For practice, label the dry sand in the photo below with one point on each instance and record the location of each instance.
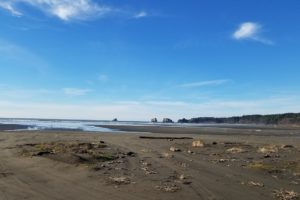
(92, 166)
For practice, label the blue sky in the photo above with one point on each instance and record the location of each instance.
(135, 60)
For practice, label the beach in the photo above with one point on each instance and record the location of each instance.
(166, 163)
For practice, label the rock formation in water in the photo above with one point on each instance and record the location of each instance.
(167, 120)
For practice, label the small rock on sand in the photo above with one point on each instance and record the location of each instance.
(120, 180)
(182, 177)
(198, 143)
(175, 149)
(167, 155)
(190, 152)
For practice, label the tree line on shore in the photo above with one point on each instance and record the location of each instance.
(287, 118)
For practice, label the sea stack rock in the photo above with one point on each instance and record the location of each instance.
(183, 120)
(167, 120)
(115, 120)
(154, 120)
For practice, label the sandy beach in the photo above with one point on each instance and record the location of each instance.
(217, 163)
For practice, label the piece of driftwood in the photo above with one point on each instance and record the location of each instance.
(167, 138)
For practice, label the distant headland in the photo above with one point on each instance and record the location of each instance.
(273, 119)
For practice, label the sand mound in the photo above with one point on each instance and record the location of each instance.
(268, 149)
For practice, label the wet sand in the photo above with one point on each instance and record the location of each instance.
(210, 130)
(7, 127)
(91, 166)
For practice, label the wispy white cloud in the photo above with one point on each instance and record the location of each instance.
(68, 10)
(9, 6)
(251, 31)
(76, 91)
(63, 9)
(141, 14)
(204, 83)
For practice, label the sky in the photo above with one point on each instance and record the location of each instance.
(135, 60)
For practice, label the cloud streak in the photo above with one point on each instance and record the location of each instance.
(250, 31)
(75, 91)
(141, 14)
(9, 7)
(204, 83)
(67, 10)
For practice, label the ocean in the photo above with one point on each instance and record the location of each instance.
(80, 125)
(93, 125)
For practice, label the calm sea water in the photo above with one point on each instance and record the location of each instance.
(86, 125)
(83, 125)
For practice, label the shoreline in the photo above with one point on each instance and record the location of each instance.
(12, 127)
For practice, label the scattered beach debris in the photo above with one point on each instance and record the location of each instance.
(222, 160)
(183, 179)
(146, 164)
(184, 165)
(198, 143)
(190, 151)
(145, 167)
(175, 149)
(235, 150)
(167, 155)
(294, 183)
(268, 149)
(146, 150)
(72, 152)
(122, 180)
(168, 187)
(148, 171)
(297, 174)
(165, 138)
(283, 194)
(253, 184)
